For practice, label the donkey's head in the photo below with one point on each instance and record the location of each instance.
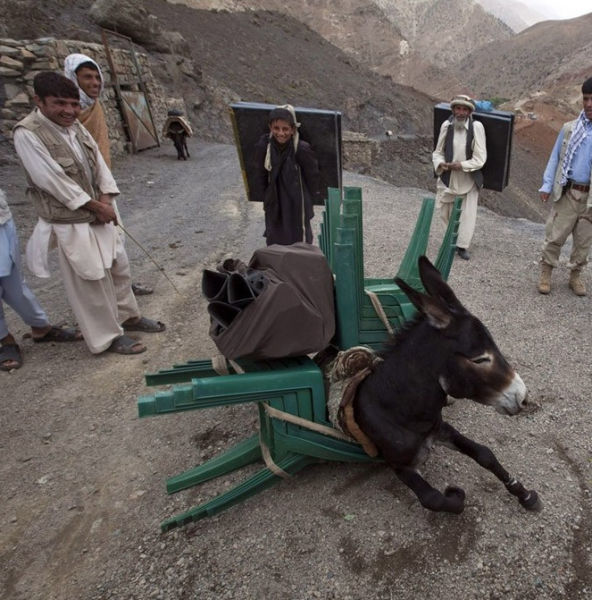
(470, 364)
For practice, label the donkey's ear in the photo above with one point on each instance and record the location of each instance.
(436, 311)
(436, 286)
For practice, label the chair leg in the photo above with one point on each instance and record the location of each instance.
(251, 486)
(244, 453)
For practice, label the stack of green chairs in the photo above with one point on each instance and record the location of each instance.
(359, 322)
(292, 385)
(290, 393)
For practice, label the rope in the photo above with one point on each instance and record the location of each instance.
(269, 461)
(161, 269)
(379, 311)
(220, 365)
(295, 420)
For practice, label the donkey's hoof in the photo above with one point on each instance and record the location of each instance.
(532, 501)
(456, 498)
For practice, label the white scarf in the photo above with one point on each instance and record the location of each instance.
(577, 137)
(71, 63)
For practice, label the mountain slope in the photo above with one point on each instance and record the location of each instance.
(413, 41)
(549, 58)
(516, 15)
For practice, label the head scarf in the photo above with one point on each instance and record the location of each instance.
(71, 63)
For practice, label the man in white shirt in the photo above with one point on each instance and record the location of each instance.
(72, 190)
(458, 159)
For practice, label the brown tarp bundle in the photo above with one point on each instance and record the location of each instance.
(295, 314)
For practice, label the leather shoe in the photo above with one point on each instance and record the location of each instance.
(463, 253)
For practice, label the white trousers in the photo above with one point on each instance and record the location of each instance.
(468, 217)
(100, 306)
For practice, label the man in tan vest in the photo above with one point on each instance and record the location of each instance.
(72, 190)
(87, 75)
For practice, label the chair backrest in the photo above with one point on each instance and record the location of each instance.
(408, 270)
(329, 223)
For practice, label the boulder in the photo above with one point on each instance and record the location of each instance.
(7, 72)
(21, 99)
(9, 51)
(11, 63)
(133, 20)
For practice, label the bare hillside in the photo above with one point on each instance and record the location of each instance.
(268, 57)
(413, 41)
(549, 57)
(516, 15)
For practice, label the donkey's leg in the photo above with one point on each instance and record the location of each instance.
(178, 146)
(452, 500)
(486, 458)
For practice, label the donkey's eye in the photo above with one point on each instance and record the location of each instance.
(481, 359)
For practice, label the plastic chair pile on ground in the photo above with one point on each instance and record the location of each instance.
(290, 393)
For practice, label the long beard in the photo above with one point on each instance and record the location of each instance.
(459, 123)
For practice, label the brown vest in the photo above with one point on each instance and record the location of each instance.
(46, 205)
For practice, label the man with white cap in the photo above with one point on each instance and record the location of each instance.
(458, 159)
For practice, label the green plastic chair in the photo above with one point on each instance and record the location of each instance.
(293, 386)
(358, 321)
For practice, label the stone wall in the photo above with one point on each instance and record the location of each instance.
(21, 60)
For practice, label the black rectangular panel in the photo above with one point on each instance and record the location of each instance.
(499, 127)
(320, 128)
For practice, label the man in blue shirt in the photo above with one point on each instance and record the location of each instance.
(567, 182)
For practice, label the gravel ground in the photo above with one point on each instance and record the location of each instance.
(82, 478)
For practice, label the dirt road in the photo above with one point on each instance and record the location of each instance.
(82, 478)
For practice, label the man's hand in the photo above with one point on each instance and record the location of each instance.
(454, 166)
(104, 212)
(443, 166)
(106, 198)
(544, 196)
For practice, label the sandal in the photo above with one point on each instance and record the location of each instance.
(126, 345)
(141, 290)
(60, 334)
(143, 324)
(10, 353)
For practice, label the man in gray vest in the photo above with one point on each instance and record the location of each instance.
(567, 182)
(72, 191)
(458, 159)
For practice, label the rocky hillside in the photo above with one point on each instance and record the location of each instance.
(516, 15)
(548, 60)
(413, 41)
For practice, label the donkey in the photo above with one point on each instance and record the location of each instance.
(445, 351)
(179, 136)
